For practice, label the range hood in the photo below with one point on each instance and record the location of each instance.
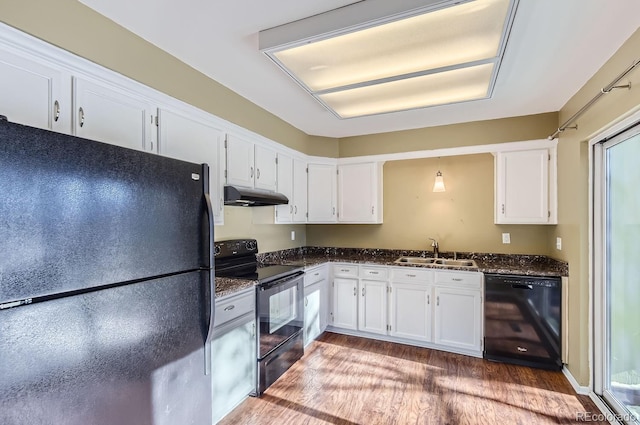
(243, 197)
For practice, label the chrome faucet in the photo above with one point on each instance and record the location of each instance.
(434, 245)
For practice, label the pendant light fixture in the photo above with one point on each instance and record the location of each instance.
(438, 186)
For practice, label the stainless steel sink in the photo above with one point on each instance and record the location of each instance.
(436, 261)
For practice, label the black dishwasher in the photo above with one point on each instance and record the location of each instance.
(522, 320)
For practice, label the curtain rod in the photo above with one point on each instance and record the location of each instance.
(612, 85)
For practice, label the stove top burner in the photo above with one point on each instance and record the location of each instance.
(237, 259)
(262, 274)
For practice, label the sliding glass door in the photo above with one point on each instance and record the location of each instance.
(617, 277)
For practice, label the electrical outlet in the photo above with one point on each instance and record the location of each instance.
(293, 235)
(559, 244)
(506, 238)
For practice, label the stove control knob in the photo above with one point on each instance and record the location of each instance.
(250, 245)
(216, 250)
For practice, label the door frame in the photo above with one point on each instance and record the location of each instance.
(598, 354)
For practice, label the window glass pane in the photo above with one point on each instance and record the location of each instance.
(623, 271)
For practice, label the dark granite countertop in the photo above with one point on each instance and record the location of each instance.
(516, 264)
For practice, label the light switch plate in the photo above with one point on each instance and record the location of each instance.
(293, 235)
(559, 244)
(506, 238)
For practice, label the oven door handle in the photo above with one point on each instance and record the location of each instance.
(280, 282)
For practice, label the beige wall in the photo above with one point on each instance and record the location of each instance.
(467, 134)
(461, 219)
(573, 189)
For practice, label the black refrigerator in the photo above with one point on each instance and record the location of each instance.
(106, 284)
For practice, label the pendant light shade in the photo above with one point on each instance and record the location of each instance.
(438, 186)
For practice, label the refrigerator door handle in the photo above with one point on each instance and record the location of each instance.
(212, 287)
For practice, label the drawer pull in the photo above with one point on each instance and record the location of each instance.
(373, 272)
(410, 275)
(345, 270)
(457, 279)
(229, 307)
(317, 274)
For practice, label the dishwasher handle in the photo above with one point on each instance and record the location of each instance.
(521, 286)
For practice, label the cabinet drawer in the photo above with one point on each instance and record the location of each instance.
(374, 273)
(233, 306)
(315, 275)
(346, 270)
(412, 275)
(465, 279)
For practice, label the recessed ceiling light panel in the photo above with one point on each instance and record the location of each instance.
(392, 63)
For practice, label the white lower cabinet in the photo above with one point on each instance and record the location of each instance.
(434, 308)
(233, 352)
(373, 307)
(457, 315)
(345, 303)
(410, 311)
(455, 320)
(315, 303)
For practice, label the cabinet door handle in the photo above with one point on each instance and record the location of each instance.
(437, 300)
(221, 204)
(81, 116)
(290, 209)
(428, 300)
(251, 172)
(306, 301)
(295, 209)
(258, 173)
(372, 210)
(355, 291)
(333, 211)
(502, 208)
(229, 307)
(363, 292)
(56, 111)
(253, 330)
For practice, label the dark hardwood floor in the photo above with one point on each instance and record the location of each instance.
(349, 380)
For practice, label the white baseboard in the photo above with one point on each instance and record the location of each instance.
(577, 387)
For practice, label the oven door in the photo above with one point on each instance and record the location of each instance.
(280, 312)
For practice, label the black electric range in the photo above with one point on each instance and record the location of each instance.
(279, 307)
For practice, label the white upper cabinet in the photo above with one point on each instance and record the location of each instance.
(284, 213)
(292, 182)
(322, 193)
(240, 167)
(250, 165)
(184, 137)
(108, 114)
(34, 93)
(299, 191)
(265, 164)
(360, 193)
(525, 185)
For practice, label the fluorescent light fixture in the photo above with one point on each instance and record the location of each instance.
(378, 56)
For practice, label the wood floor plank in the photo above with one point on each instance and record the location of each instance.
(356, 381)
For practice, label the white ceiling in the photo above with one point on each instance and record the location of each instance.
(554, 48)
